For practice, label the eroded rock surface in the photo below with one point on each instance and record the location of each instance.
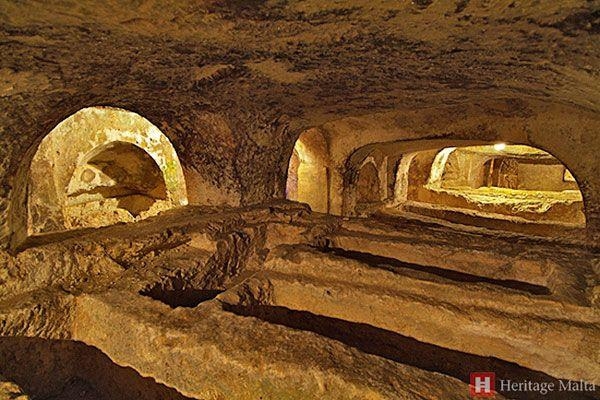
(265, 301)
(232, 84)
(218, 289)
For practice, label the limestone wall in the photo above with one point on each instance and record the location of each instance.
(233, 86)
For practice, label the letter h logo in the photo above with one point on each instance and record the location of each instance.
(482, 384)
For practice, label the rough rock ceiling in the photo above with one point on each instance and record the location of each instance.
(232, 83)
(303, 58)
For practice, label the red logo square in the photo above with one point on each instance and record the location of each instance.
(483, 384)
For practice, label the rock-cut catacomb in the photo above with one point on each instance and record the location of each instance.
(295, 200)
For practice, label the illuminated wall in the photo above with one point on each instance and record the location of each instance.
(511, 180)
(99, 166)
(308, 174)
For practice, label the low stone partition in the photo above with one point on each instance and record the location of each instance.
(479, 323)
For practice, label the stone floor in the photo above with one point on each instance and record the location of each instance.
(276, 302)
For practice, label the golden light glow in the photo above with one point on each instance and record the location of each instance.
(303, 152)
(437, 168)
(500, 178)
(307, 172)
(499, 146)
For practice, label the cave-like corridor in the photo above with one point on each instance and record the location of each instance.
(299, 199)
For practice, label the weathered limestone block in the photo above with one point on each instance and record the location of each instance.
(45, 313)
(66, 265)
(537, 332)
(477, 262)
(207, 353)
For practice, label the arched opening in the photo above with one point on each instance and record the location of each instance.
(490, 185)
(120, 182)
(291, 188)
(368, 185)
(493, 185)
(98, 167)
(365, 188)
(308, 172)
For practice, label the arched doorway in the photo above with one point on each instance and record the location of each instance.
(291, 187)
(368, 186)
(490, 185)
(100, 166)
(308, 173)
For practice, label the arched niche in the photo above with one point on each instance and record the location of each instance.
(308, 171)
(368, 184)
(291, 187)
(487, 180)
(365, 182)
(99, 166)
